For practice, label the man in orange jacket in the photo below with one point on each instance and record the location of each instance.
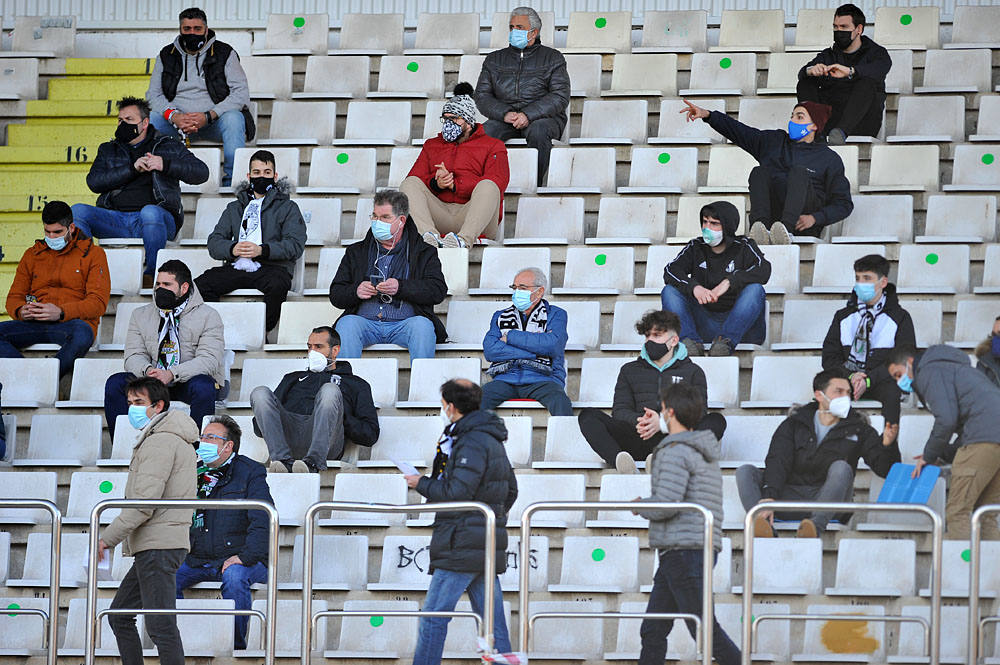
(455, 188)
(60, 291)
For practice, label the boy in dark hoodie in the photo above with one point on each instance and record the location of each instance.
(799, 184)
(715, 285)
(849, 76)
(260, 236)
(685, 468)
(864, 332)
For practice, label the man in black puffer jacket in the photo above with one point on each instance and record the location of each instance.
(524, 89)
(228, 546)
(260, 236)
(471, 465)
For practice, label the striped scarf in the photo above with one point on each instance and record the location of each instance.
(511, 319)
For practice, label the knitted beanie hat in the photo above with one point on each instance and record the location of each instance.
(462, 103)
(820, 113)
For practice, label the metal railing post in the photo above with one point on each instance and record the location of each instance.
(52, 621)
(747, 628)
(708, 563)
(268, 623)
(485, 624)
(975, 563)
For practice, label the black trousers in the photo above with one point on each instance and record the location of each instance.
(857, 104)
(608, 436)
(539, 135)
(783, 197)
(274, 281)
(150, 584)
(888, 393)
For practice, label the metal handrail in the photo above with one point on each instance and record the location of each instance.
(934, 641)
(708, 563)
(52, 619)
(489, 561)
(268, 622)
(975, 562)
(924, 623)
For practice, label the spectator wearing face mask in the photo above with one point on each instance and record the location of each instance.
(715, 285)
(456, 186)
(260, 236)
(813, 457)
(635, 427)
(798, 186)
(526, 347)
(307, 418)
(988, 354)
(850, 77)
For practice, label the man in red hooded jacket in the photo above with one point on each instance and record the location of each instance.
(456, 186)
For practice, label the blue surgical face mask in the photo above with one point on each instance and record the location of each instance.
(518, 38)
(208, 452)
(521, 300)
(450, 131)
(865, 291)
(57, 244)
(711, 238)
(797, 130)
(905, 383)
(137, 416)
(381, 230)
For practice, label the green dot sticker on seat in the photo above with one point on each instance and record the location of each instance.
(13, 606)
(601, 259)
(413, 66)
(932, 258)
(298, 21)
(663, 157)
(600, 23)
(906, 19)
(726, 63)
(598, 554)
(966, 555)
(106, 486)
(753, 617)
(376, 621)
(988, 158)
(342, 158)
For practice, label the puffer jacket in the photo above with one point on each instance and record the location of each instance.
(685, 468)
(283, 231)
(163, 466)
(963, 400)
(201, 336)
(113, 169)
(987, 363)
(640, 381)
(477, 470)
(521, 345)
(533, 81)
(75, 278)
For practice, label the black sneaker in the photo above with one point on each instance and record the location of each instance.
(837, 136)
(694, 348)
(721, 347)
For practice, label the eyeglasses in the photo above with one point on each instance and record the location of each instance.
(207, 438)
(524, 287)
(450, 117)
(388, 219)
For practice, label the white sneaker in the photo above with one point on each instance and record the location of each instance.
(624, 463)
(451, 240)
(277, 467)
(431, 238)
(780, 235)
(649, 463)
(758, 233)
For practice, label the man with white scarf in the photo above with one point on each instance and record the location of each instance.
(526, 346)
(176, 339)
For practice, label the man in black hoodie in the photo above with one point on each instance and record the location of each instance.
(864, 332)
(715, 285)
(260, 236)
(305, 420)
(849, 76)
(799, 184)
(388, 284)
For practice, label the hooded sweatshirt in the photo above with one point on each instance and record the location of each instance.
(741, 262)
(685, 468)
(986, 362)
(963, 400)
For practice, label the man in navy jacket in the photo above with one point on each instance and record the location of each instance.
(228, 546)
(526, 346)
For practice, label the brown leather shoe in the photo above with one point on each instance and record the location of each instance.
(807, 529)
(762, 528)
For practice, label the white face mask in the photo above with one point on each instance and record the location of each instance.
(317, 361)
(840, 406)
(445, 418)
(663, 425)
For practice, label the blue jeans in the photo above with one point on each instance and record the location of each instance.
(229, 128)
(74, 338)
(447, 586)
(236, 583)
(677, 589)
(153, 224)
(415, 333)
(744, 320)
(199, 392)
(550, 394)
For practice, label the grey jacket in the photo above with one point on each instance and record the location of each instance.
(685, 468)
(963, 400)
(283, 231)
(533, 81)
(192, 94)
(202, 341)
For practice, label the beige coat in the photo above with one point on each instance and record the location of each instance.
(163, 466)
(201, 338)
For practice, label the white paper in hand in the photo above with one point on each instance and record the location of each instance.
(405, 468)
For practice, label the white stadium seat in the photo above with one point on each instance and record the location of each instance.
(689, 215)
(367, 488)
(991, 272)
(621, 487)
(974, 27)
(960, 219)
(407, 76)
(833, 269)
(938, 119)
(269, 77)
(377, 123)
(340, 77)
(538, 562)
(577, 639)
(661, 171)
(974, 320)
(341, 171)
(894, 213)
(523, 165)
(619, 122)
(976, 169)
(293, 493)
(787, 566)
(532, 488)
(675, 129)
(988, 123)
(446, 34)
(302, 123)
(954, 635)
(86, 489)
(498, 262)
(643, 75)
(43, 37)
(19, 79)
(61, 440)
(580, 171)
(28, 485)
(76, 626)
(565, 447)
(868, 643)
(125, 270)
(428, 374)
(296, 34)
(288, 638)
(728, 170)
(751, 30)
(964, 71)
(545, 220)
(907, 27)
(674, 32)
(778, 382)
(782, 73)
(391, 637)
(903, 168)
(37, 561)
(630, 221)
(411, 439)
(875, 567)
(714, 74)
(599, 565)
(584, 72)
(747, 440)
(23, 634)
(599, 32)
(597, 270)
(370, 34)
(204, 635)
(938, 269)
(405, 564)
(812, 31)
(340, 563)
(298, 318)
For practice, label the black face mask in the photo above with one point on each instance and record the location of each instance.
(166, 299)
(843, 38)
(261, 184)
(191, 42)
(656, 350)
(126, 132)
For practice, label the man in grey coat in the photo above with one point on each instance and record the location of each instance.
(523, 89)
(260, 236)
(964, 403)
